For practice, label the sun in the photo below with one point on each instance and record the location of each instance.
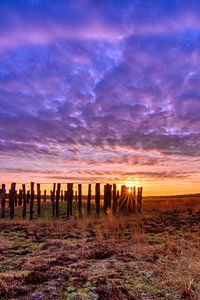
(129, 184)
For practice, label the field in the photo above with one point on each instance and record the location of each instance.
(152, 255)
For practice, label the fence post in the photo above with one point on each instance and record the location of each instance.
(65, 196)
(3, 200)
(12, 200)
(80, 199)
(20, 197)
(38, 199)
(53, 200)
(97, 197)
(69, 199)
(24, 201)
(114, 198)
(139, 199)
(89, 198)
(57, 199)
(45, 195)
(118, 199)
(109, 195)
(105, 202)
(28, 197)
(15, 198)
(123, 198)
(32, 200)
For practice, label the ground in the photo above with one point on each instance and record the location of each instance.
(153, 255)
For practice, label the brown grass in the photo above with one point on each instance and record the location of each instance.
(153, 255)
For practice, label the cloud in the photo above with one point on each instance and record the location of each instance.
(80, 80)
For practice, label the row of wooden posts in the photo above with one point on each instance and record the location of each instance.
(129, 200)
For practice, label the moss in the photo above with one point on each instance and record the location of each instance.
(16, 234)
(19, 244)
(83, 292)
(37, 246)
(155, 239)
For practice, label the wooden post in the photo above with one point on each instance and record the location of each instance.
(134, 199)
(12, 200)
(20, 197)
(109, 195)
(114, 206)
(123, 198)
(80, 199)
(97, 197)
(24, 201)
(15, 200)
(45, 195)
(28, 197)
(139, 199)
(117, 199)
(32, 200)
(57, 199)
(89, 198)
(3, 200)
(69, 199)
(53, 199)
(65, 196)
(38, 199)
(134, 192)
(105, 204)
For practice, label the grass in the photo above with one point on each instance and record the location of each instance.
(153, 255)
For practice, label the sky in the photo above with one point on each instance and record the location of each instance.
(101, 91)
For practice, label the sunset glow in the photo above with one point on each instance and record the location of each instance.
(101, 91)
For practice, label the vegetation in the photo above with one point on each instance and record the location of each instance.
(153, 255)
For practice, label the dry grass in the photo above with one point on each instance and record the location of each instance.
(154, 255)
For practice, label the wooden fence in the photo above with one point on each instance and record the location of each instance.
(126, 200)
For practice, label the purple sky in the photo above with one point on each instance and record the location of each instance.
(101, 90)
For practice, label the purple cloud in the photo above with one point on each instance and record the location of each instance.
(105, 85)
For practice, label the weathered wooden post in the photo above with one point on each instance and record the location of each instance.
(68, 205)
(20, 197)
(12, 200)
(32, 200)
(105, 202)
(53, 200)
(15, 200)
(109, 195)
(139, 199)
(97, 197)
(123, 198)
(45, 195)
(65, 196)
(118, 197)
(69, 199)
(57, 199)
(80, 199)
(114, 206)
(38, 199)
(89, 198)
(24, 201)
(134, 192)
(28, 197)
(134, 199)
(3, 200)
